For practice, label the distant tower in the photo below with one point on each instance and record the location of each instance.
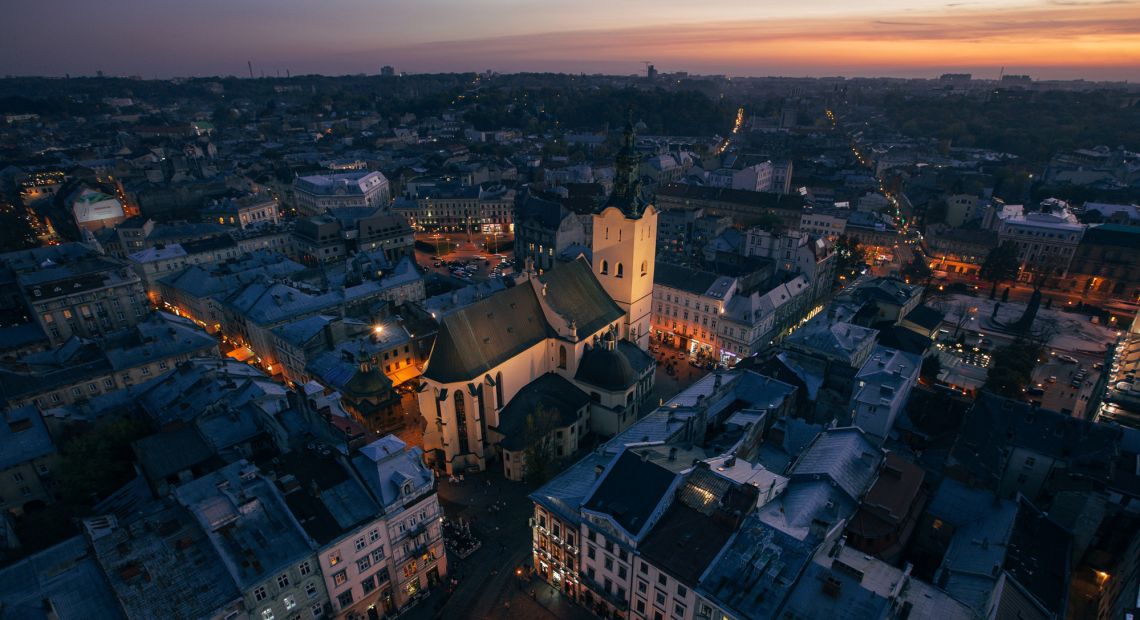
(387, 71)
(651, 72)
(625, 244)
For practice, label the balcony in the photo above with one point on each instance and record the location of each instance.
(600, 591)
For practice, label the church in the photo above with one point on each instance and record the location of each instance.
(559, 355)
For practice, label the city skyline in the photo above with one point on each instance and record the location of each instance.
(1056, 39)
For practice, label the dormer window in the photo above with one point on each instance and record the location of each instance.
(407, 488)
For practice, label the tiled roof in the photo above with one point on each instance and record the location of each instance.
(630, 491)
(553, 393)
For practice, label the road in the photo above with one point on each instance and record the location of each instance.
(1060, 394)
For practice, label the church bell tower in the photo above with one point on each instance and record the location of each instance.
(625, 244)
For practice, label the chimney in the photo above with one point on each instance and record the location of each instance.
(598, 469)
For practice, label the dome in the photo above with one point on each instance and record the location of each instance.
(606, 367)
(367, 384)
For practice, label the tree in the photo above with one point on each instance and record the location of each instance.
(931, 366)
(97, 461)
(848, 256)
(1011, 368)
(917, 269)
(1001, 264)
(539, 457)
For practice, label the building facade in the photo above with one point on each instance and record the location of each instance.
(314, 194)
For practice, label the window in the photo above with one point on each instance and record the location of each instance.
(289, 602)
(641, 586)
(644, 270)
(363, 564)
(621, 572)
(360, 543)
(259, 593)
(318, 611)
(660, 596)
(17, 477)
(311, 590)
(662, 579)
(590, 551)
(562, 355)
(377, 555)
(640, 606)
(369, 584)
(334, 558)
(622, 555)
(499, 390)
(283, 581)
(344, 598)
(644, 569)
(267, 614)
(590, 572)
(682, 591)
(304, 568)
(340, 578)
(605, 268)
(609, 563)
(108, 382)
(619, 271)
(373, 535)
(678, 610)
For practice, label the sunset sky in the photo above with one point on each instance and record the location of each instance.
(1092, 39)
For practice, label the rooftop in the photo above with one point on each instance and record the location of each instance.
(161, 564)
(247, 521)
(552, 393)
(64, 579)
(23, 437)
(756, 571)
(630, 491)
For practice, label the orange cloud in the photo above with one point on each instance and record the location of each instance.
(1068, 33)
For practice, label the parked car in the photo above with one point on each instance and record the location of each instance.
(1068, 359)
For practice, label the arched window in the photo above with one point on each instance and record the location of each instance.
(619, 270)
(499, 390)
(461, 420)
(562, 356)
(605, 268)
(644, 268)
(619, 234)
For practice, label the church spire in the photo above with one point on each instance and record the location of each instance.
(626, 194)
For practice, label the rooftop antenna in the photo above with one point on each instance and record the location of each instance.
(249, 63)
(1001, 74)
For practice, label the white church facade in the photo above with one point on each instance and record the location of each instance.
(571, 341)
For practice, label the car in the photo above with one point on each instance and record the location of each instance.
(1068, 359)
(1052, 379)
(1036, 391)
(1075, 383)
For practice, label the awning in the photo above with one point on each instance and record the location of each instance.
(240, 354)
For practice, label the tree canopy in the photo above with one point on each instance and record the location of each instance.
(1001, 263)
(1011, 368)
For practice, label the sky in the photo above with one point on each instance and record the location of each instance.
(1048, 39)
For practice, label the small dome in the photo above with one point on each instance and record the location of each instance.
(605, 367)
(367, 384)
